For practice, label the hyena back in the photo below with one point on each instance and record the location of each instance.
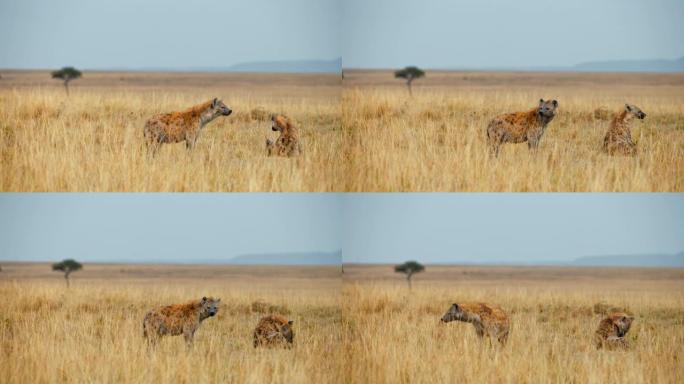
(175, 127)
(521, 127)
(179, 319)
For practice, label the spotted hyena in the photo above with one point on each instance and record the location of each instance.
(175, 127)
(273, 330)
(179, 319)
(612, 330)
(618, 139)
(520, 127)
(488, 320)
(287, 143)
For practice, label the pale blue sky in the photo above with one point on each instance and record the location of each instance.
(508, 33)
(165, 227)
(459, 227)
(510, 227)
(174, 34)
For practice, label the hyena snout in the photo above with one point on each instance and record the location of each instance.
(641, 115)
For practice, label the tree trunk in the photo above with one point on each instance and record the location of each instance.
(66, 86)
(408, 278)
(408, 83)
(66, 277)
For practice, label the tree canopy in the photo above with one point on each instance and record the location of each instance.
(67, 74)
(409, 268)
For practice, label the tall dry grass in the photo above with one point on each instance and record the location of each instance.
(92, 332)
(393, 335)
(93, 139)
(436, 140)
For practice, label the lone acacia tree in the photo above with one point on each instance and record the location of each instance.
(67, 266)
(409, 268)
(67, 74)
(410, 74)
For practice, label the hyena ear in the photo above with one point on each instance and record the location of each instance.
(455, 305)
(555, 103)
(204, 299)
(541, 101)
(290, 322)
(628, 108)
(215, 102)
(218, 300)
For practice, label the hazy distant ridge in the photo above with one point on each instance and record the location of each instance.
(294, 66)
(655, 65)
(290, 258)
(644, 260)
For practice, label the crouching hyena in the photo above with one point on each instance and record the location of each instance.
(618, 139)
(612, 330)
(489, 320)
(179, 319)
(287, 143)
(185, 126)
(519, 127)
(273, 330)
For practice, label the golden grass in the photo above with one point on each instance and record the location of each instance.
(92, 332)
(364, 328)
(93, 140)
(435, 140)
(373, 138)
(393, 335)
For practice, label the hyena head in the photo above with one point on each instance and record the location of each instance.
(547, 108)
(455, 312)
(279, 123)
(286, 331)
(621, 322)
(634, 110)
(218, 108)
(209, 307)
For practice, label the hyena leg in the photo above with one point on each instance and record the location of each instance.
(269, 146)
(189, 335)
(494, 140)
(190, 141)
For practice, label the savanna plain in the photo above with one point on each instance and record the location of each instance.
(435, 140)
(92, 331)
(92, 139)
(363, 133)
(364, 326)
(392, 334)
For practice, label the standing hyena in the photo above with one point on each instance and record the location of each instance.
(179, 319)
(175, 127)
(287, 143)
(273, 330)
(612, 330)
(618, 139)
(519, 127)
(489, 320)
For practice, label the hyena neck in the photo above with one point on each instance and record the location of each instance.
(545, 120)
(203, 315)
(471, 318)
(623, 119)
(206, 117)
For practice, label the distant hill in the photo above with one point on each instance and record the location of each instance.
(676, 65)
(295, 66)
(645, 260)
(290, 258)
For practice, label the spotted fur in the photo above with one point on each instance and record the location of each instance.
(618, 139)
(521, 127)
(185, 126)
(179, 319)
(612, 330)
(287, 143)
(273, 330)
(488, 320)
